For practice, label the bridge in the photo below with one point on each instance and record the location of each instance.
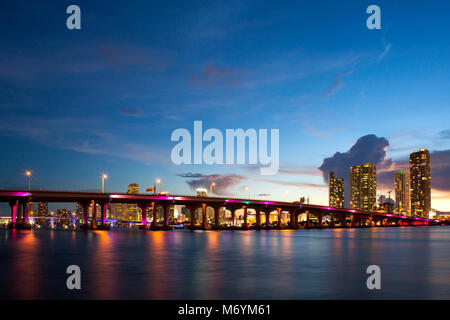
(310, 216)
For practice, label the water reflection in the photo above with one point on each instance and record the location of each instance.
(131, 264)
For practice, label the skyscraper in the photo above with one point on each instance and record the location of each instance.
(402, 194)
(30, 208)
(420, 179)
(335, 191)
(132, 209)
(363, 187)
(43, 209)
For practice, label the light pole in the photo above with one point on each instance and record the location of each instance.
(104, 177)
(28, 174)
(248, 189)
(158, 181)
(211, 187)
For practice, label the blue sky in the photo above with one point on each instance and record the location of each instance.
(106, 98)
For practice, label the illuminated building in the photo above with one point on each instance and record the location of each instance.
(402, 194)
(30, 209)
(420, 179)
(62, 213)
(202, 192)
(133, 212)
(363, 187)
(335, 191)
(43, 209)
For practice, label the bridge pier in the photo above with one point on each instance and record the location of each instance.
(216, 217)
(154, 206)
(166, 215)
(245, 224)
(103, 208)
(144, 207)
(85, 206)
(94, 215)
(19, 215)
(204, 220)
(233, 217)
(279, 217)
(267, 213)
(258, 218)
(14, 206)
(192, 210)
(308, 222)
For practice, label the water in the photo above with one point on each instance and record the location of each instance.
(303, 264)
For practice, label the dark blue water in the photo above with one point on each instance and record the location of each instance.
(303, 264)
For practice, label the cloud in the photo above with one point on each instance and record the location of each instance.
(387, 49)
(222, 181)
(338, 84)
(367, 149)
(445, 134)
(440, 170)
(131, 112)
(371, 149)
(335, 87)
(216, 76)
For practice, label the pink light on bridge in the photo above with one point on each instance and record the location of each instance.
(14, 213)
(19, 194)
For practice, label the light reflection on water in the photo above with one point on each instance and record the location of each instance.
(304, 264)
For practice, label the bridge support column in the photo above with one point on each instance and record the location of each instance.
(14, 206)
(85, 206)
(25, 211)
(319, 217)
(192, 210)
(308, 221)
(144, 207)
(245, 224)
(233, 216)
(216, 217)
(352, 217)
(154, 214)
(166, 214)
(258, 218)
(332, 220)
(94, 215)
(204, 220)
(104, 208)
(279, 217)
(267, 213)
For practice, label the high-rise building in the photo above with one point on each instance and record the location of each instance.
(43, 209)
(402, 194)
(30, 209)
(133, 212)
(363, 187)
(420, 179)
(335, 191)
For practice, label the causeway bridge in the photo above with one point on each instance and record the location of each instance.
(299, 215)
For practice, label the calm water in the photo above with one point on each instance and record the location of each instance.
(303, 264)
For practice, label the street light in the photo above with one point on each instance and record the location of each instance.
(104, 177)
(248, 189)
(211, 187)
(28, 174)
(158, 181)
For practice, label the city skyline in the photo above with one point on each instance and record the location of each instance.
(77, 105)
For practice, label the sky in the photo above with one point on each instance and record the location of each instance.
(105, 99)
